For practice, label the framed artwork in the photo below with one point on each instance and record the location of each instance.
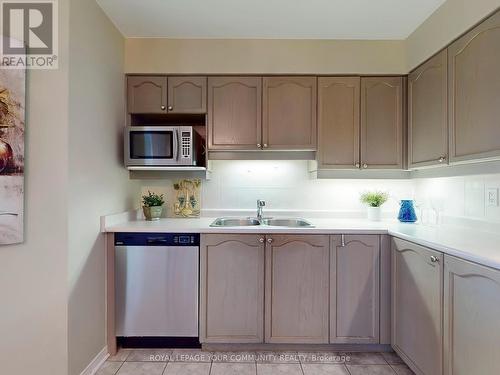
(187, 198)
(12, 118)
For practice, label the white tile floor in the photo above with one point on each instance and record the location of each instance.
(197, 362)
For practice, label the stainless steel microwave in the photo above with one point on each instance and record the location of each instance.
(161, 146)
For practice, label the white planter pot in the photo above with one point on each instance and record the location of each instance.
(374, 213)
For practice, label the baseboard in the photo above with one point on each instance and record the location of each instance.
(97, 362)
(298, 347)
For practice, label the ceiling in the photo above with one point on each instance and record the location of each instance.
(269, 19)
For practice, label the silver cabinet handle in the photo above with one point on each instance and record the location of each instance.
(261, 240)
(265, 145)
(259, 145)
(162, 107)
(269, 240)
(434, 259)
(170, 108)
(342, 240)
(442, 159)
(365, 166)
(357, 165)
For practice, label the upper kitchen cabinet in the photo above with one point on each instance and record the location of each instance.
(427, 113)
(234, 113)
(382, 122)
(147, 94)
(417, 307)
(289, 113)
(471, 317)
(474, 92)
(338, 122)
(355, 289)
(187, 94)
(159, 94)
(297, 273)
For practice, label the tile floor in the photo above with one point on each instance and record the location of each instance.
(197, 362)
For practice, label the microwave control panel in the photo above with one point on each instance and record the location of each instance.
(185, 144)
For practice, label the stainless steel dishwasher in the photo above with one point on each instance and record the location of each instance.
(157, 277)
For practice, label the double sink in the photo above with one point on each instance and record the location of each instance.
(253, 221)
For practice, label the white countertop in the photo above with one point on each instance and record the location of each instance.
(202, 225)
(470, 244)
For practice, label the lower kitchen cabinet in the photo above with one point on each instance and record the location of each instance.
(355, 289)
(417, 307)
(297, 288)
(232, 288)
(472, 318)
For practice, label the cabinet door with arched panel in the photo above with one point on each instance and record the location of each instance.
(232, 288)
(355, 289)
(289, 113)
(382, 135)
(234, 113)
(471, 318)
(338, 122)
(297, 273)
(474, 92)
(187, 94)
(427, 113)
(146, 94)
(417, 306)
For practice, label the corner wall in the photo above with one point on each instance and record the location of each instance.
(33, 275)
(448, 22)
(98, 182)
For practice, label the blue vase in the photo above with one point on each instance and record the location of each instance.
(407, 212)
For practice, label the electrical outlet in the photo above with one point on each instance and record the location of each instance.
(492, 197)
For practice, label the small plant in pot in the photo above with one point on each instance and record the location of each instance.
(374, 200)
(152, 205)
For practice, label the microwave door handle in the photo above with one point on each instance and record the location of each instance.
(176, 145)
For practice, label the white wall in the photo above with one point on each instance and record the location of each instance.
(285, 185)
(98, 182)
(33, 275)
(463, 197)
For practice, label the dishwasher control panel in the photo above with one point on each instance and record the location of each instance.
(157, 239)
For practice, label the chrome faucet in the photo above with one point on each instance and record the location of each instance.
(260, 205)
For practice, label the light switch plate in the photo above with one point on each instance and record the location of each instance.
(492, 197)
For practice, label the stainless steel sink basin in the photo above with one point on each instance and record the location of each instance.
(288, 222)
(235, 222)
(252, 221)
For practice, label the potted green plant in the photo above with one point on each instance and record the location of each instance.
(374, 200)
(152, 205)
